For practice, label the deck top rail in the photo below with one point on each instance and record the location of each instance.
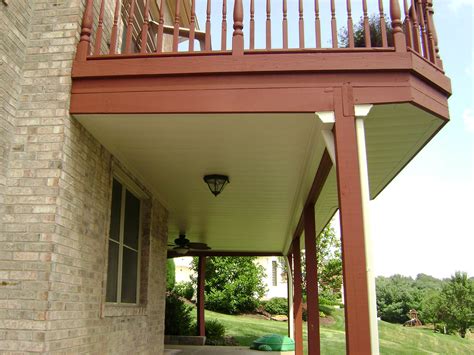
(112, 28)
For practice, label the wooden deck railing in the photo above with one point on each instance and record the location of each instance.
(129, 27)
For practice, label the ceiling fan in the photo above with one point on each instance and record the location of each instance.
(182, 245)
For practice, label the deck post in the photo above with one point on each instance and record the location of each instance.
(238, 35)
(83, 48)
(312, 295)
(399, 40)
(201, 324)
(297, 297)
(354, 264)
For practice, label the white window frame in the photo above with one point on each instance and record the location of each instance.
(127, 185)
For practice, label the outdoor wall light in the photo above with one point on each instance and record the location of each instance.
(216, 183)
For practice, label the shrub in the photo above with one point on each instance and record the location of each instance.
(276, 305)
(233, 284)
(184, 289)
(215, 332)
(178, 318)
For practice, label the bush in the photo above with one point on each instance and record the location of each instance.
(178, 318)
(233, 284)
(215, 332)
(276, 305)
(184, 289)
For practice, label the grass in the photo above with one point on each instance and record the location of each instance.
(394, 338)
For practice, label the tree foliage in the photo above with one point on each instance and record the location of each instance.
(233, 284)
(170, 274)
(374, 30)
(328, 254)
(396, 295)
(455, 304)
(447, 304)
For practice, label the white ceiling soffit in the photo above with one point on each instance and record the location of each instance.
(271, 160)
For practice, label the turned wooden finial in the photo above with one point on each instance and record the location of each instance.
(238, 35)
(83, 48)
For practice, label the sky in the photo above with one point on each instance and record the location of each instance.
(423, 222)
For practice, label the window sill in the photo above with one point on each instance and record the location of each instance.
(124, 310)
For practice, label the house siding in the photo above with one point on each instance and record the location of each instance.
(55, 191)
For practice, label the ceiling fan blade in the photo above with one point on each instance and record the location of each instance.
(199, 246)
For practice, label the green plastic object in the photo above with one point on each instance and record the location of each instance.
(273, 342)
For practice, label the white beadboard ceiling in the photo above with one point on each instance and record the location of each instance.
(271, 160)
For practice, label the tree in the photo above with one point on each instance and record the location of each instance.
(233, 284)
(328, 250)
(328, 253)
(170, 274)
(456, 304)
(375, 33)
(396, 295)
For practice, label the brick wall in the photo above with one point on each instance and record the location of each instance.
(55, 191)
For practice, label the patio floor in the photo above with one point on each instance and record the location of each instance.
(228, 350)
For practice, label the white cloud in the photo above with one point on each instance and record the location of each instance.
(468, 117)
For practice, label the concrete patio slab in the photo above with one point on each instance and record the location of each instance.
(216, 350)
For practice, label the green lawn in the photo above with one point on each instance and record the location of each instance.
(394, 339)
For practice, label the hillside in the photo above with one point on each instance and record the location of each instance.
(394, 339)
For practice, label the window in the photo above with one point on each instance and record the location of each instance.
(274, 273)
(124, 246)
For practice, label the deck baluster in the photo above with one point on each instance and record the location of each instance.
(83, 48)
(383, 26)
(430, 15)
(416, 28)
(333, 25)
(129, 34)
(317, 24)
(252, 24)
(424, 37)
(192, 26)
(285, 24)
(431, 46)
(407, 25)
(113, 36)
(207, 39)
(238, 35)
(350, 24)
(176, 26)
(268, 34)
(368, 43)
(224, 26)
(301, 23)
(398, 36)
(145, 26)
(100, 29)
(159, 36)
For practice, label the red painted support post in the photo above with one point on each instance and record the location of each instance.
(238, 35)
(312, 295)
(356, 293)
(83, 48)
(297, 297)
(200, 296)
(399, 40)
